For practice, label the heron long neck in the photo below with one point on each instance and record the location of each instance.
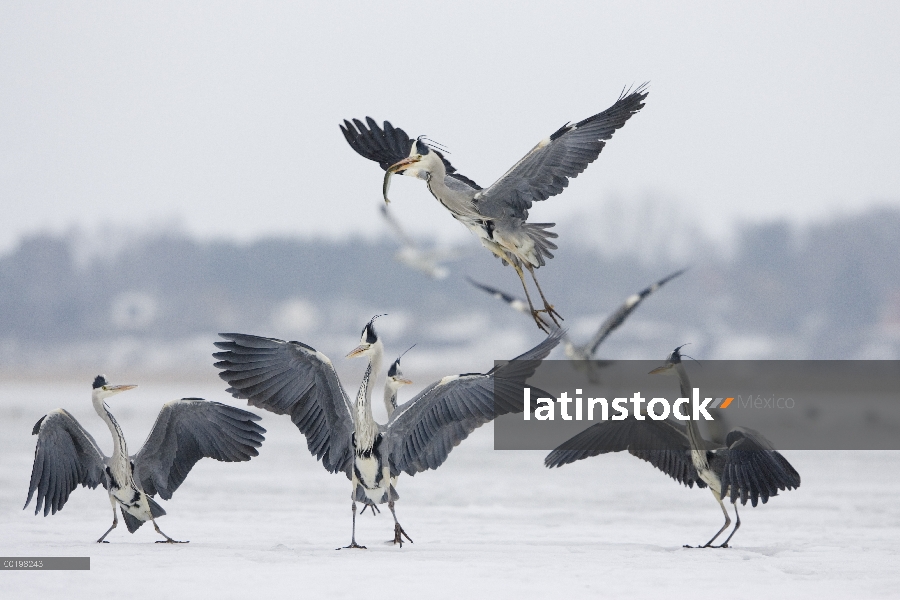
(119, 447)
(390, 399)
(366, 428)
(457, 201)
(698, 445)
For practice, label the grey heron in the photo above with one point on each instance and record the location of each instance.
(296, 379)
(747, 467)
(498, 214)
(185, 431)
(612, 322)
(395, 380)
(413, 255)
(392, 384)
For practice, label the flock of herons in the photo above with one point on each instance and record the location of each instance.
(292, 378)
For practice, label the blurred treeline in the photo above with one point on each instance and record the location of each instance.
(828, 290)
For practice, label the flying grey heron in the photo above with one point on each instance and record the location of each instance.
(293, 378)
(185, 431)
(745, 468)
(414, 256)
(612, 322)
(498, 214)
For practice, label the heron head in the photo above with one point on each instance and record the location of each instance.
(395, 378)
(671, 361)
(421, 162)
(103, 389)
(367, 341)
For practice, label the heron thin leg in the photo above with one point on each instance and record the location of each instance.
(724, 527)
(535, 314)
(736, 525)
(168, 540)
(353, 543)
(115, 521)
(398, 531)
(548, 308)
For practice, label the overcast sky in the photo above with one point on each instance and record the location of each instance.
(222, 118)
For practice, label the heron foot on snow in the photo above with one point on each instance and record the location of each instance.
(168, 540)
(352, 545)
(399, 534)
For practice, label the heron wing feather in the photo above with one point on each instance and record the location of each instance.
(389, 145)
(663, 444)
(752, 469)
(294, 379)
(187, 430)
(65, 457)
(424, 430)
(545, 171)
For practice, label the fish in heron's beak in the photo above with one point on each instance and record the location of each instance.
(397, 166)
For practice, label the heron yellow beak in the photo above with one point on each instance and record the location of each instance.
(661, 370)
(119, 388)
(403, 380)
(357, 351)
(397, 166)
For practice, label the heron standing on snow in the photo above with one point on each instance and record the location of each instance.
(293, 378)
(185, 431)
(498, 214)
(745, 468)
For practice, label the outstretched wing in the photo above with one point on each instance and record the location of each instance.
(424, 430)
(389, 145)
(663, 444)
(753, 469)
(546, 170)
(617, 318)
(66, 456)
(187, 430)
(290, 378)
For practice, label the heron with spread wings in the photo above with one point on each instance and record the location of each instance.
(498, 214)
(746, 467)
(185, 431)
(295, 379)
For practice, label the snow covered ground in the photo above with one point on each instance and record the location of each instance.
(486, 524)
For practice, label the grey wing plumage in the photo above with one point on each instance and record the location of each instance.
(753, 469)
(187, 430)
(385, 146)
(424, 430)
(294, 379)
(663, 444)
(617, 318)
(546, 170)
(66, 456)
(389, 145)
